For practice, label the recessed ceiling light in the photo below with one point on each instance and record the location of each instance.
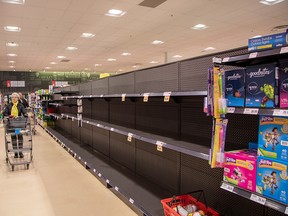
(270, 2)
(61, 57)
(87, 35)
(257, 36)
(11, 62)
(126, 54)
(12, 28)
(177, 56)
(53, 63)
(111, 59)
(47, 68)
(71, 48)
(12, 44)
(153, 62)
(12, 66)
(157, 42)
(97, 65)
(86, 69)
(135, 66)
(14, 70)
(199, 27)
(115, 13)
(11, 54)
(209, 48)
(14, 1)
(120, 70)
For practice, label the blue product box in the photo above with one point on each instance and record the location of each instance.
(261, 86)
(234, 87)
(271, 179)
(273, 137)
(268, 42)
(283, 82)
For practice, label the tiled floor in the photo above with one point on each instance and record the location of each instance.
(55, 185)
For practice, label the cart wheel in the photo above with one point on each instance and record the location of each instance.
(6, 159)
(12, 167)
(27, 166)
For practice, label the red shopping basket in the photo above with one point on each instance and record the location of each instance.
(170, 203)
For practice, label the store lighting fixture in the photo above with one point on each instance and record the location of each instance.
(209, 49)
(135, 66)
(12, 66)
(270, 2)
(47, 68)
(12, 44)
(12, 54)
(11, 62)
(126, 54)
(257, 36)
(199, 27)
(87, 35)
(53, 63)
(153, 62)
(14, 70)
(71, 48)
(12, 28)
(177, 56)
(61, 57)
(111, 59)
(157, 42)
(115, 13)
(120, 70)
(14, 1)
(97, 65)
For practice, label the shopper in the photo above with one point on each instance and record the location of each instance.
(23, 100)
(13, 110)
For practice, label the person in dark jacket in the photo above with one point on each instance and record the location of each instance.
(23, 100)
(12, 110)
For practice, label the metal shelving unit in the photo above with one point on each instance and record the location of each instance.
(257, 111)
(160, 141)
(255, 197)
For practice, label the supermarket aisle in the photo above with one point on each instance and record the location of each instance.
(55, 185)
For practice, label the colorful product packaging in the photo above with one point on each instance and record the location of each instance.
(240, 168)
(273, 137)
(283, 79)
(261, 86)
(272, 179)
(235, 87)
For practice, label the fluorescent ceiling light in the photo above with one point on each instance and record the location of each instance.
(97, 65)
(11, 62)
(12, 66)
(53, 63)
(47, 68)
(11, 54)
(111, 59)
(209, 48)
(177, 56)
(86, 69)
(153, 62)
(135, 66)
(12, 28)
(115, 13)
(14, 1)
(199, 27)
(61, 57)
(270, 2)
(120, 70)
(87, 35)
(71, 48)
(126, 54)
(12, 44)
(157, 42)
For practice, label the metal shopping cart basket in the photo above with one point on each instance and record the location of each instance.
(18, 141)
(33, 120)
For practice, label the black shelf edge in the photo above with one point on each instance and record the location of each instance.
(257, 111)
(266, 56)
(161, 142)
(253, 196)
(149, 94)
(60, 104)
(144, 201)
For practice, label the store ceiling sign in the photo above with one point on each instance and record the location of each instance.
(10, 83)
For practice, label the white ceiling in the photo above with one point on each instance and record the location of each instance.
(49, 26)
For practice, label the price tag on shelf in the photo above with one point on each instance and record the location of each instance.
(101, 95)
(227, 187)
(284, 50)
(123, 97)
(116, 188)
(258, 199)
(94, 170)
(280, 112)
(131, 200)
(251, 111)
(231, 109)
(107, 181)
(159, 146)
(145, 97)
(99, 174)
(286, 210)
(129, 138)
(226, 59)
(111, 129)
(72, 118)
(66, 116)
(253, 55)
(217, 60)
(167, 96)
(98, 125)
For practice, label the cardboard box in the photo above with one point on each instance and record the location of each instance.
(235, 87)
(240, 168)
(272, 179)
(261, 86)
(283, 80)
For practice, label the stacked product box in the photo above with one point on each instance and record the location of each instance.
(272, 180)
(283, 80)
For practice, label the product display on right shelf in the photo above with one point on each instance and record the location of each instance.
(283, 76)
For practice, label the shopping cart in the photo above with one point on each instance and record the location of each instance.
(33, 121)
(18, 141)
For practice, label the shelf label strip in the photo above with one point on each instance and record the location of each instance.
(284, 50)
(227, 187)
(145, 97)
(123, 97)
(279, 112)
(251, 111)
(253, 55)
(159, 146)
(231, 109)
(258, 199)
(129, 138)
(226, 59)
(286, 210)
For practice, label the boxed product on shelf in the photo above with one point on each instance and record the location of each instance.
(240, 168)
(234, 87)
(261, 86)
(273, 137)
(283, 79)
(272, 179)
(268, 42)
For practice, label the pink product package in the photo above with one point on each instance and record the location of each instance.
(240, 169)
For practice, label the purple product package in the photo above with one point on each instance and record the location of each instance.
(283, 76)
